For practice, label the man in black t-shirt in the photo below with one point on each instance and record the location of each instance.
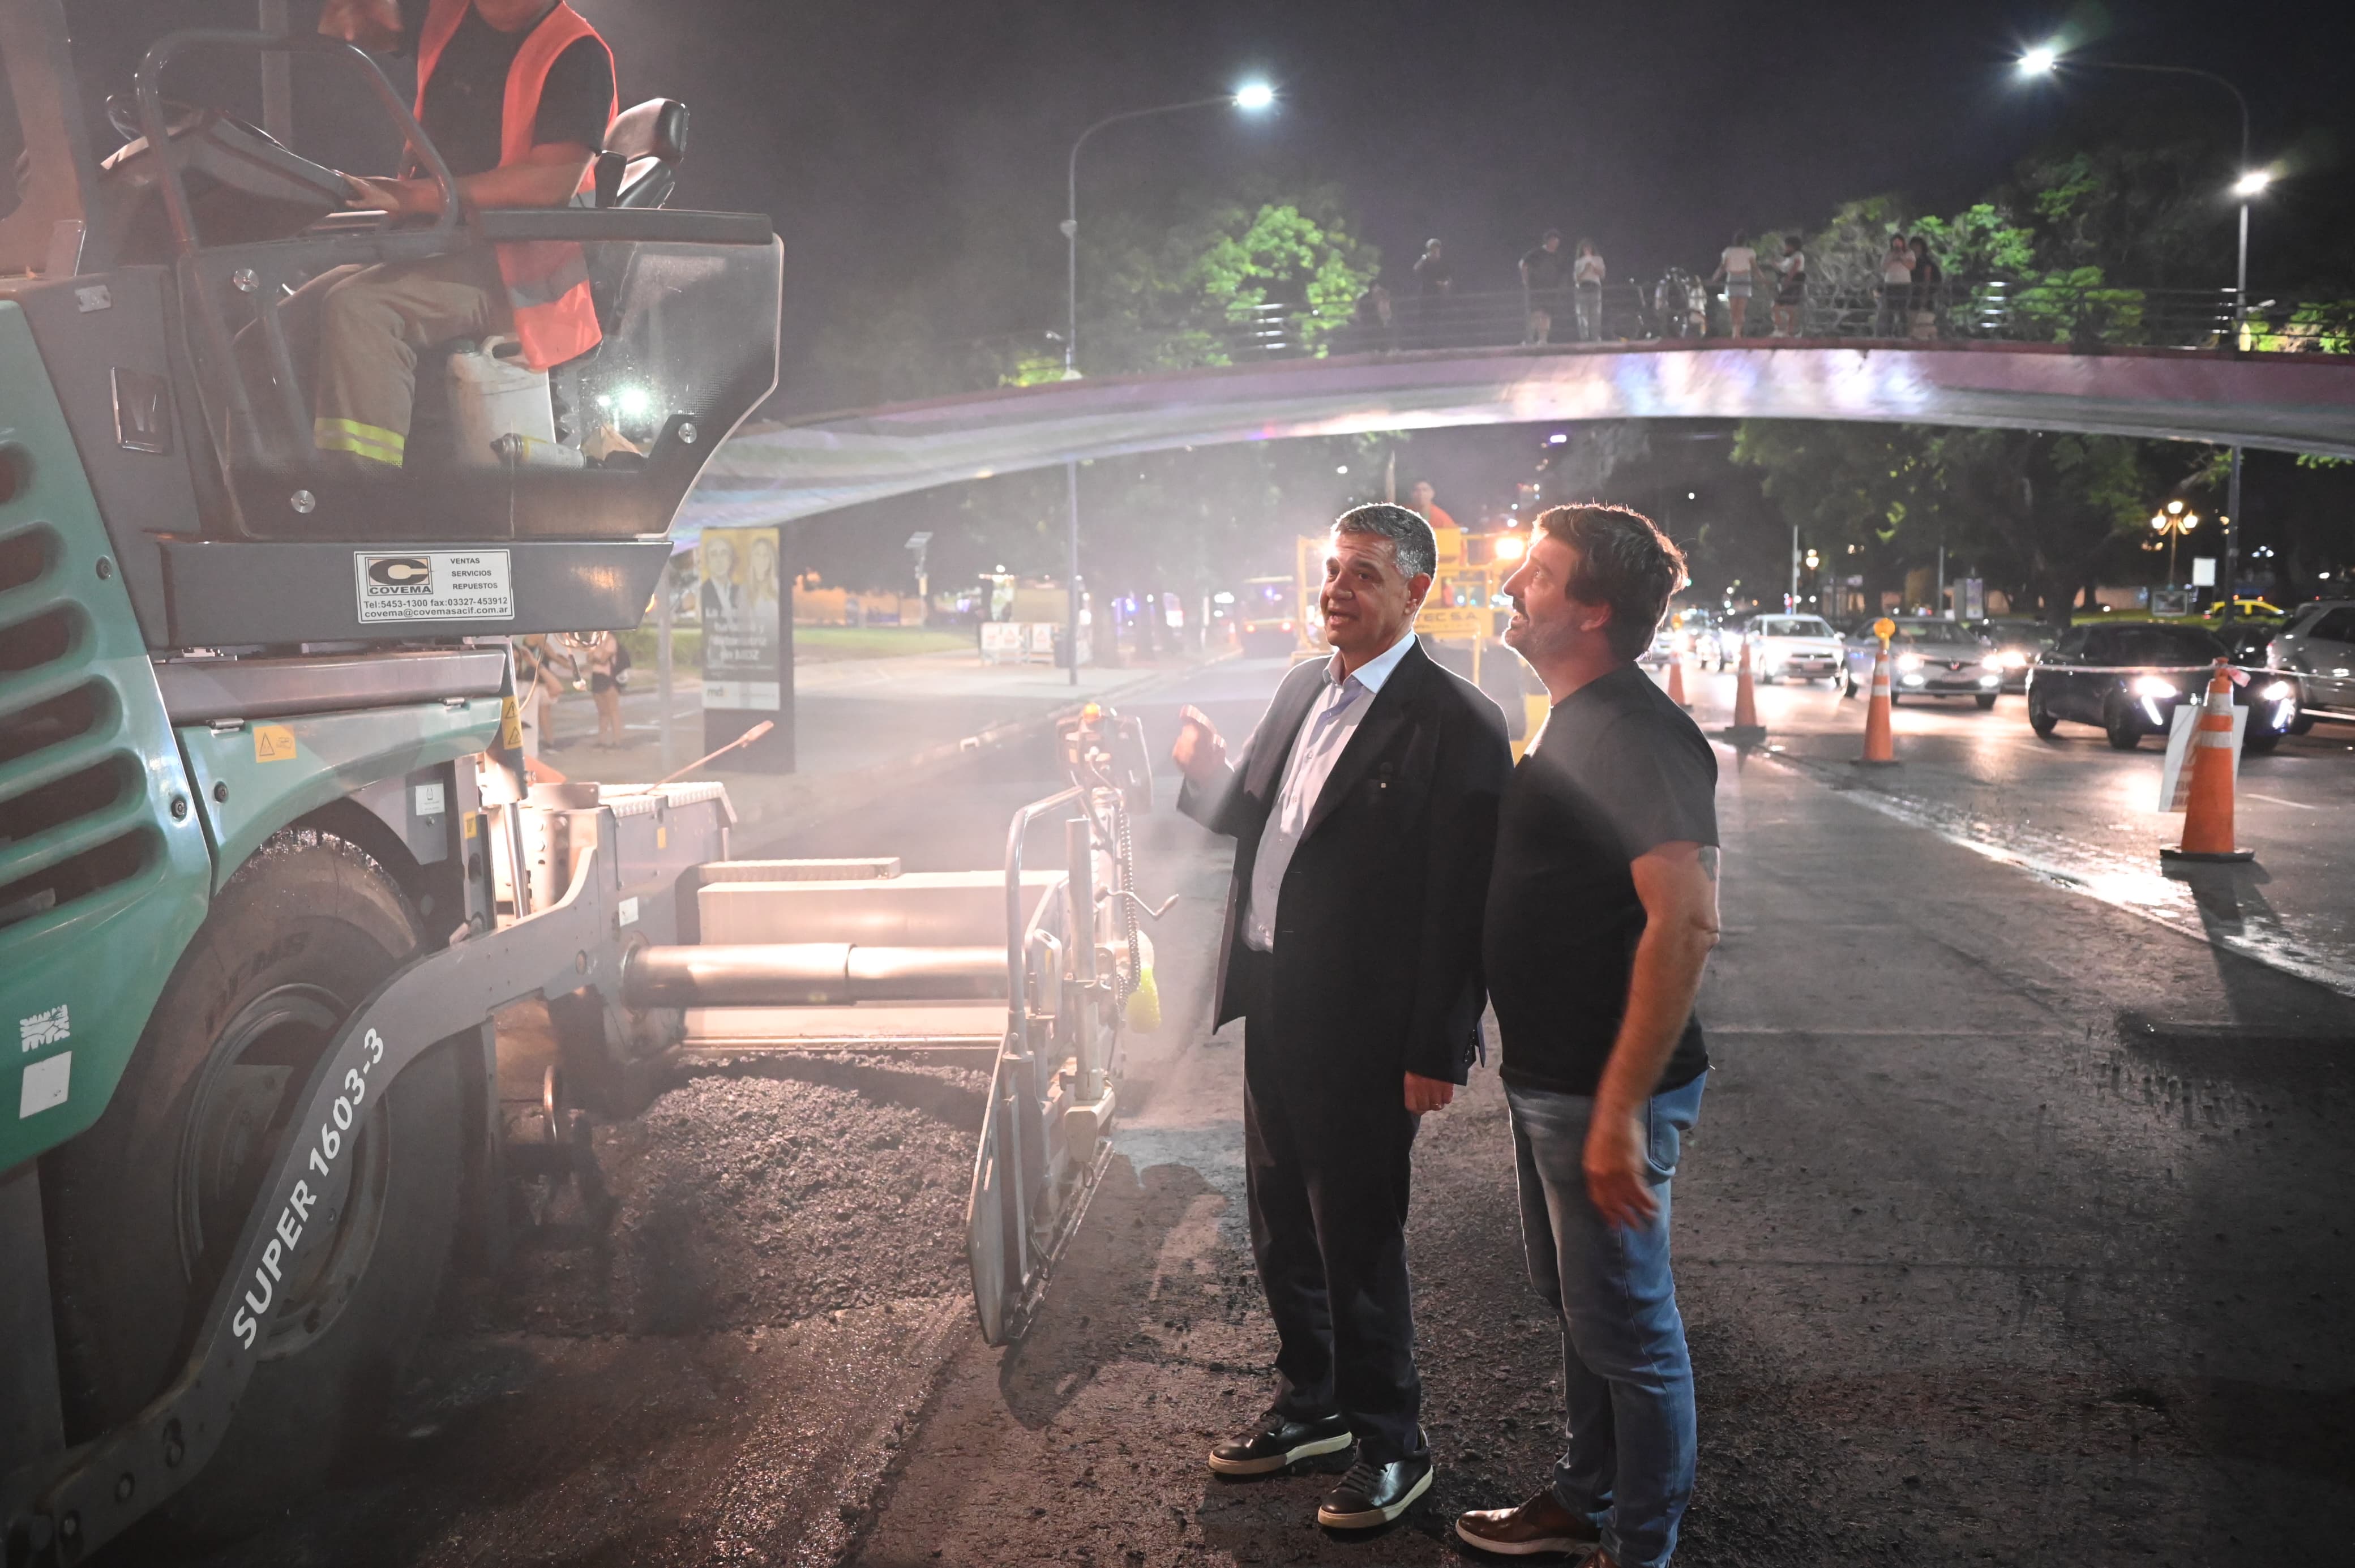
(372, 322)
(1545, 272)
(1601, 912)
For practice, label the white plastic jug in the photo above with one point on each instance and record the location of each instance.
(493, 395)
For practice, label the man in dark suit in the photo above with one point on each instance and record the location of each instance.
(1364, 814)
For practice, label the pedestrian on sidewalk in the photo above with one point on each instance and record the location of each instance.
(1363, 810)
(541, 670)
(1927, 278)
(1544, 274)
(1790, 288)
(1586, 278)
(1737, 269)
(1896, 290)
(1601, 912)
(600, 658)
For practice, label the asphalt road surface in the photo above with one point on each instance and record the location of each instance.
(2015, 1230)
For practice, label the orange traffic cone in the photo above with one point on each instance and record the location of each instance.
(1878, 749)
(2208, 811)
(1745, 729)
(1676, 680)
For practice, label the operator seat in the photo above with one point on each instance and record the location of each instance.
(639, 164)
(637, 168)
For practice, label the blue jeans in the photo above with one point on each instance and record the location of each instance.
(1627, 1388)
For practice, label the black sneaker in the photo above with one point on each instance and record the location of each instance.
(1277, 1441)
(1372, 1494)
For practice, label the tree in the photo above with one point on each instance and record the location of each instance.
(2056, 507)
(2040, 511)
(1864, 494)
(1163, 297)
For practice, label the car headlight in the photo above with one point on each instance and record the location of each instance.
(1993, 662)
(2279, 691)
(2156, 688)
(1908, 662)
(2011, 659)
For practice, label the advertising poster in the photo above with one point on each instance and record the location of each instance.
(747, 621)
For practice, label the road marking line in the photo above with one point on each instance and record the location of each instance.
(2276, 800)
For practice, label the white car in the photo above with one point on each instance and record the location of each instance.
(1794, 647)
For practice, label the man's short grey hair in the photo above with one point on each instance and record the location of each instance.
(1413, 544)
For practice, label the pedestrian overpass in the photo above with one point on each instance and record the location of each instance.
(777, 472)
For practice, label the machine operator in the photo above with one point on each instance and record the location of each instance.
(517, 96)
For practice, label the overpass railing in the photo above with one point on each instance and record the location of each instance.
(2017, 310)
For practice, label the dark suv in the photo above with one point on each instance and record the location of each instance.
(2128, 680)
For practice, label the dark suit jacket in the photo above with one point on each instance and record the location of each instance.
(1377, 965)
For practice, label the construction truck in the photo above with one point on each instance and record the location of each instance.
(274, 878)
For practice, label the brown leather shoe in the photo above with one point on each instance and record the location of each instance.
(1538, 1526)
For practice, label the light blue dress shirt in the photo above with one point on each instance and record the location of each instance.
(1332, 719)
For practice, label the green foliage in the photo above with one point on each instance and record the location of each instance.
(2037, 511)
(2317, 327)
(1175, 295)
(1286, 256)
(2143, 210)
(1979, 241)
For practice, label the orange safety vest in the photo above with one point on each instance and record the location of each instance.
(547, 280)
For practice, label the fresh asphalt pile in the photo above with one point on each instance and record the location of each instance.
(762, 1191)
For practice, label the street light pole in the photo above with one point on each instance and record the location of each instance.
(2248, 183)
(1254, 97)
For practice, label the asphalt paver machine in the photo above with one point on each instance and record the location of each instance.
(272, 868)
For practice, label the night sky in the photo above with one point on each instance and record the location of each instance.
(897, 143)
(916, 149)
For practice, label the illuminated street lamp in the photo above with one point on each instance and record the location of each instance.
(1251, 98)
(2045, 60)
(2171, 522)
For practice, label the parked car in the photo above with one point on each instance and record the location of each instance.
(2250, 641)
(2016, 642)
(1797, 647)
(1928, 658)
(2129, 679)
(2316, 647)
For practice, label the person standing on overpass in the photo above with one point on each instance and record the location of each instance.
(1544, 271)
(1791, 287)
(1601, 912)
(1737, 269)
(1586, 276)
(517, 95)
(1894, 318)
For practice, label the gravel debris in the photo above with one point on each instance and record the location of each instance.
(765, 1192)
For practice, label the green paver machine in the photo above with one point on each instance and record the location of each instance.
(270, 860)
